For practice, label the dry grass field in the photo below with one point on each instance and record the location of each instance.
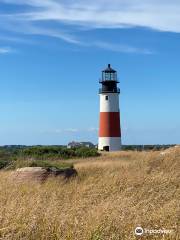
(111, 196)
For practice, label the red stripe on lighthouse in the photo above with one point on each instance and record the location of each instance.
(109, 124)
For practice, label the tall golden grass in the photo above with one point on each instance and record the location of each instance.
(111, 196)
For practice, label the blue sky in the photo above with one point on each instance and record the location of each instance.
(51, 56)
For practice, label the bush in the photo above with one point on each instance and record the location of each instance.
(4, 163)
(5, 158)
(56, 152)
(86, 152)
(51, 164)
(36, 163)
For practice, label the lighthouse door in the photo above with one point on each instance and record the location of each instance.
(106, 148)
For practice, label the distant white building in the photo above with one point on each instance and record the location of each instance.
(80, 144)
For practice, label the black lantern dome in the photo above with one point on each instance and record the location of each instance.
(109, 81)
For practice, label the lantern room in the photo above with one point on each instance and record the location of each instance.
(109, 81)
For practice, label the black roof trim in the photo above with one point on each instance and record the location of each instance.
(109, 69)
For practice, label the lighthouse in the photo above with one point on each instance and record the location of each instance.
(109, 124)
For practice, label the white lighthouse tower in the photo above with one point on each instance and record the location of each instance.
(109, 126)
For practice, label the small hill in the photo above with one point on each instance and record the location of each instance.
(111, 196)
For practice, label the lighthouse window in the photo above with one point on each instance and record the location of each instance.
(106, 97)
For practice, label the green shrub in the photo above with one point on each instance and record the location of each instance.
(39, 163)
(57, 152)
(86, 152)
(4, 163)
(5, 158)
(50, 164)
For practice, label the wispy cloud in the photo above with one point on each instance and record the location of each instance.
(5, 50)
(72, 130)
(21, 40)
(68, 130)
(92, 129)
(121, 48)
(53, 33)
(69, 15)
(161, 15)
